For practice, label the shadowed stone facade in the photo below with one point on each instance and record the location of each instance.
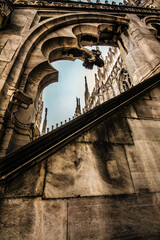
(102, 181)
(103, 185)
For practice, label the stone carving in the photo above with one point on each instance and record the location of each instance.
(92, 57)
(5, 11)
(110, 80)
(148, 3)
(38, 117)
(124, 81)
(122, 7)
(21, 99)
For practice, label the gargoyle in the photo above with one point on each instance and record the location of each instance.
(88, 57)
(92, 58)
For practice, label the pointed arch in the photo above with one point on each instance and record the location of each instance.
(31, 70)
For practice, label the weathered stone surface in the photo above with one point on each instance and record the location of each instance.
(2, 66)
(118, 130)
(17, 219)
(143, 48)
(155, 93)
(54, 220)
(117, 157)
(4, 38)
(122, 217)
(11, 46)
(30, 183)
(113, 130)
(144, 164)
(147, 109)
(96, 134)
(19, 18)
(33, 219)
(82, 169)
(129, 112)
(145, 129)
(146, 96)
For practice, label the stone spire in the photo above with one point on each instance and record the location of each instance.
(96, 82)
(44, 122)
(38, 117)
(78, 108)
(86, 94)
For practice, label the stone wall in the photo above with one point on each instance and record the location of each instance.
(37, 36)
(103, 185)
(11, 39)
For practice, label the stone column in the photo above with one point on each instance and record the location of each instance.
(140, 50)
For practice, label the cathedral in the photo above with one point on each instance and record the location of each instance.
(97, 176)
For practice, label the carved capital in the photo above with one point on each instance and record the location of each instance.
(5, 11)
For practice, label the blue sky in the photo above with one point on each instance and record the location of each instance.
(60, 97)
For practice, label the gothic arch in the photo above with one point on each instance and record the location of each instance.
(31, 70)
(30, 50)
(57, 38)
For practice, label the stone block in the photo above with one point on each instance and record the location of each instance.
(10, 48)
(80, 169)
(96, 134)
(147, 109)
(67, 32)
(118, 130)
(29, 183)
(129, 112)
(2, 66)
(123, 217)
(155, 93)
(113, 170)
(18, 18)
(145, 129)
(146, 97)
(4, 38)
(33, 219)
(17, 219)
(113, 130)
(54, 221)
(144, 164)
